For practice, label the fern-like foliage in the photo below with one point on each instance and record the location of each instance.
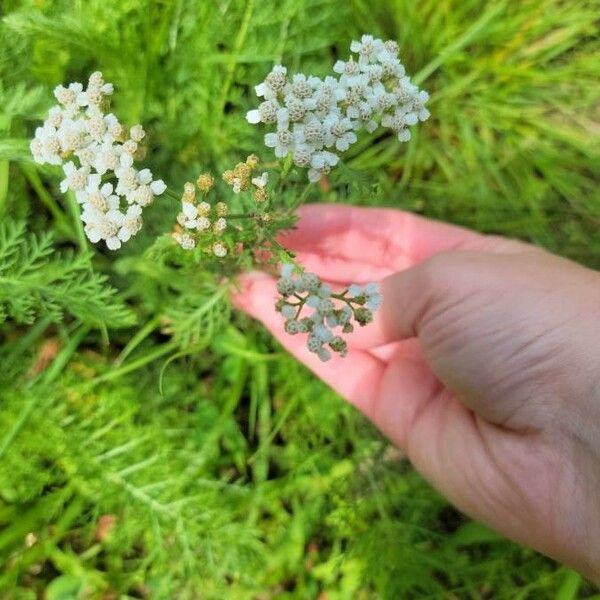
(35, 280)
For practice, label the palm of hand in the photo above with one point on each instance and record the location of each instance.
(466, 366)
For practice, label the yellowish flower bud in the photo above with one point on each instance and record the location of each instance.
(242, 171)
(189, 191)
(228, 177)
(252, 161)
(205, 182)
(203, 209)
(261, 195)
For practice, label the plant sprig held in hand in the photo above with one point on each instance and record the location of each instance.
(315, 121)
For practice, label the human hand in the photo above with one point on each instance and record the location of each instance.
(483, 365)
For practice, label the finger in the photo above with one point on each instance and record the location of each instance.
(408, 297)
(342, 271)
(384, 237)
(397, 350)
(354, 377)
(405, 391)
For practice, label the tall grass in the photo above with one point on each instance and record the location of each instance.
(188, 456)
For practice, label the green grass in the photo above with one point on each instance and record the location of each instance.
(225, 469)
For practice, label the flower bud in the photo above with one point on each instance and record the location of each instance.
(205, 182)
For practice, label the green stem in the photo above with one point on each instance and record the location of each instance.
(137, 339)
(169, 193)
(287, 165)
(342, 296)
(62, 223)
(242, 216)
(302, 196)
(134, 365)
(237, 47)
(281, 248)
(75, 211)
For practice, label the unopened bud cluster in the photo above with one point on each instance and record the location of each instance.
(330, 311)
(242, 178)
(201, 223)
(92, 147)
(317, 119)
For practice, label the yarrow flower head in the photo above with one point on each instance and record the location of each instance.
(92, 147)
(315, 120)
(301, 291)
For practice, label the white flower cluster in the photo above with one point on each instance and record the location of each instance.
(330, 310)
(316, 119)
(78, 128)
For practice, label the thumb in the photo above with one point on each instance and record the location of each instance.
(409, 296)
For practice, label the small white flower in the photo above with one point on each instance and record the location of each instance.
(312, 132)
(96, 81)
(339, 132)
(158, 187)
(363, 114)
(145, 176)
(253, 116)
(67, 96)
(46, 146)
(220, 225)
(137, 133)
(274, 83)
(76, 179)
(392, 67)
(261, 181)
(399, 123)
(130, 223)
(321, 164)
(185, 240)
(115, 129)
(368, 48)
(219, 250)
(189, 212)
(265, 113)
(55, 117)
(72, 135)
(142, 195)
(202, 223)
(283, 141)
(303, 154)
(106, 159)
(103, 227)
(99, 199)
(130, 147)
(349, 68)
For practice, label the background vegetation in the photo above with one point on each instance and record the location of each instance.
(153, 444)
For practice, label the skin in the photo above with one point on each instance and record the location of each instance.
(483, 365)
